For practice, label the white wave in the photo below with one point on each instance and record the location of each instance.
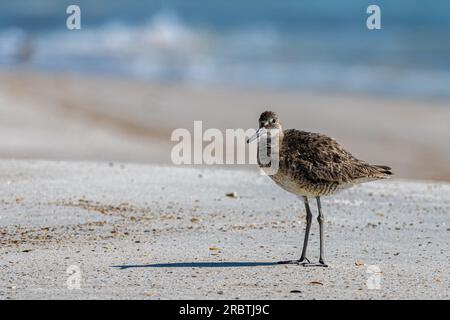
(166, 49)
(11, 42)
(163, 32)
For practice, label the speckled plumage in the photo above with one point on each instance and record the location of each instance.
(309, 165)
(313, 164)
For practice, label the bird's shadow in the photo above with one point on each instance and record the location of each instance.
(198, 265)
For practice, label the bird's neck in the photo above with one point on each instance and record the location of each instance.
(269, 147)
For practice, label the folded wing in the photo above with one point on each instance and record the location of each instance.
(321, 159)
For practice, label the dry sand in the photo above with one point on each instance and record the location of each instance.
(83, 118)
(160, 232)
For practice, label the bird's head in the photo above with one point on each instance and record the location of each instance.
(268, 120)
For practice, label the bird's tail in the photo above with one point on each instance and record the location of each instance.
(385, 171)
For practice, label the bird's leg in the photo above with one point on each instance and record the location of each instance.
(303, 259)
(321, 220)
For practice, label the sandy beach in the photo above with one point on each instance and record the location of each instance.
(103, 104)
(135, 226)
(56, 116)
(159, 232)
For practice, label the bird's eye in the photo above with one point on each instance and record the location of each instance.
(273, 120)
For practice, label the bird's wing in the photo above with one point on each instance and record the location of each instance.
(317, 157)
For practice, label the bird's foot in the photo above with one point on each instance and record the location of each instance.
(300, 262)
(315, 264)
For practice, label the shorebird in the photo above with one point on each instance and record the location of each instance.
(310, 165)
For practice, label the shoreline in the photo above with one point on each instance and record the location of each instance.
(75, 117)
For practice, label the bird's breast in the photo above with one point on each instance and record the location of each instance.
(291, 185)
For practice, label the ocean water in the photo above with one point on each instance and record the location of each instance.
(291, 44)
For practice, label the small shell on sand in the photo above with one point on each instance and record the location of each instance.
(232, 195)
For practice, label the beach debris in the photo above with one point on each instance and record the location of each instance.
(195, 220)
(232, 195)
(316, 283)
(215, 251)
(359, 263)
(295, 291)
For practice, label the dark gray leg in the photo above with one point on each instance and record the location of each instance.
(303, 258)
(308, 228)
(321, 220)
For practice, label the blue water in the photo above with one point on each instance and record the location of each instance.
(286, 44)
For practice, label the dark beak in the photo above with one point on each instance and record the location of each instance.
(257, 135)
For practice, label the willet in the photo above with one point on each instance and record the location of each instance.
(310, 165)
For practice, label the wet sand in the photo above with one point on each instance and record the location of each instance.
(161, 232)
(65, 117)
